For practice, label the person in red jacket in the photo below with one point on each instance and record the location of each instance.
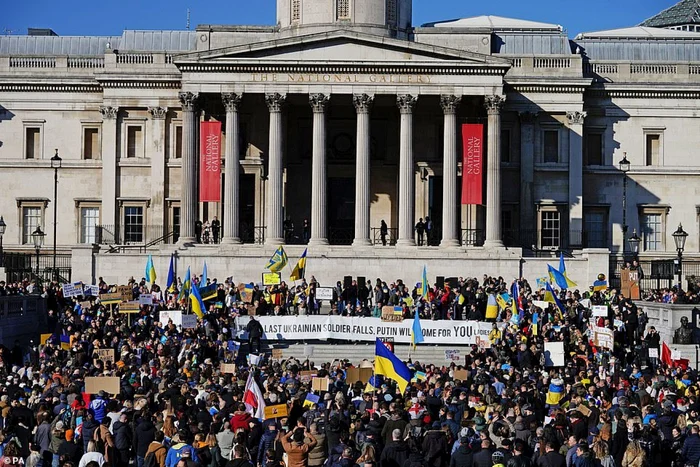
(240, 419)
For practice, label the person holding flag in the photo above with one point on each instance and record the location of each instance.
(416, 330)
(150, 272)
(300, 268)
(389, 365)
(197, 303)
(170, 287)
(278, 260)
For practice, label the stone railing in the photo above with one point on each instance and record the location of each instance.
(626, 72)
(567, 66)
(122, 62)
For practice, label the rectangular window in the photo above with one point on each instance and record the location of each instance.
(133, 224)
(178, 142)
(176, 223)
(89, 220)
(550, 140)
(296, 10)
(134, 141)
(91, 143)
(595, 222)
(652, 231)
(391, 15)
(594, 149)
(653, 149)
(343, 9)
(505, 145)
(31, 219)
(550, 228)
(32, 145)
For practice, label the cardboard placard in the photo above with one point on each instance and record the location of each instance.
(603, 337)
(306, 376)
(277, 353)
(308, 351)
(228, 368)
(129, 307)
(126, 292)
(106, 355)
(276, 411)
(600, 310)
(553, 354)
(246, 293)
(320, 384)
(271, 278)
(43, 339)
(392, 314)
(108, 384)
(146, 299)
(461, 375)
(324, 293)
(629, 283)
(110, 298)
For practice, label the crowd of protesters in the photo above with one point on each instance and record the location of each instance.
(177, 408)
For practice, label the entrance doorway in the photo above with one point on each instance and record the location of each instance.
(246, 195)
(341, 211)
(435, 210)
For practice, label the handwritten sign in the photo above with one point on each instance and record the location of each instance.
(271, 278)
(653, 353)
(108, 384)
(277, 353)
(228, 368)
(129, 307)
(106, 355)
(305, 376)
(320, 384)
(110, 298)
(189, 321)
(324, 293)
(392, 314)
(275, 411)
(146, 299)
(453, 355)
(126, 292)
(73, 290)
(91, 290)
(600, 310)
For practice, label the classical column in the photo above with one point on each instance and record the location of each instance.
(109, 168)
(273, 202)
(575, 177)
(406, 103)
(155, 150)
(188, 186)
(319, 231)
(363, 104)
(232, 168)
(449, 104)
(527, 170)
(493, 104)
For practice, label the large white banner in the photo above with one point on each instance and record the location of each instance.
(291, 328)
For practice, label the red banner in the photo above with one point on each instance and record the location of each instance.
(472, 163)
(210, 162)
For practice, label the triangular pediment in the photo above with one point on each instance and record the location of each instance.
(340, 46)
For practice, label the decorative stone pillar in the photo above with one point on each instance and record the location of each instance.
(363, 105)
(319, 230)
(109, 166)
(273, 206)
(232, 102)
(188, 188)
(155, 150)
(493, 104)
(449, 104)
(575, 177)
(527, 170)
(406, 103)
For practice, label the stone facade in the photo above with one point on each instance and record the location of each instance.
(346, 115)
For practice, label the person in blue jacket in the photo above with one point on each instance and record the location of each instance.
(177, 449)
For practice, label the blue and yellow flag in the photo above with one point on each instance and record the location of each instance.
(562, 270)
(424, 283)
(278, 260)
(416, 330)
(170, 287)
(600, 285)
(65, 342)
(197, 302)
(551, 297)
(204, 275)
(556, 392)
(311, 400)
(492, 307)
(502, 302)
(300, 269)
(150, 272)
(209, 292)
(389, 365)
(186, 286)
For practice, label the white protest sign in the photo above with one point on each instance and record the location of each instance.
(324, 293)
(600, 310)
(73, 290)
(189, 321)
(452, 355)
(91, 290)
(145, 299)
(174, 315)
(654, 353)
(675, 354)
(541, 304)
(553, 354)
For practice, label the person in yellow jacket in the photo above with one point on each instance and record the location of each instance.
(495, 335)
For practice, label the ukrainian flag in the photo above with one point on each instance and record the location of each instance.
(424, 283)
(416, 330)
(278, 260)
(601, 284)
(311, 400)
(150, 272)
(389, 365)
(535, 323)
(300, 268)
(170, 287)
(209, 292)
(502, 303)
(562, 270)
(197, 302)
(551, 297)
(65, 342)
(556, 392)
(492, 307)
(186, 286)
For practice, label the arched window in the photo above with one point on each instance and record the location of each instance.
(296, 10)
(343, 9)
(391, 14)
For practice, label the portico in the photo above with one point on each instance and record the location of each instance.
(361, 128)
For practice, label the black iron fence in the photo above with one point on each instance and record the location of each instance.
(134, 235)
(253, 234)
(657, 274)
(392, 234)
(21, 266)
(472, 237)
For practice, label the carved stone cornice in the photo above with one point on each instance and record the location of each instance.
(275, 101)
(494, 104)
(158, 113)
(109, 113)
(188, 100)
(450, 103)
(576, 117)
(231, 100)
(643, 93)
(527, 118)
(319, 102)
(140, 84)
(356, 68)
(406, 103)
(50, 87)
(362, 102)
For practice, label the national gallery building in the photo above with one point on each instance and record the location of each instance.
(478, 145)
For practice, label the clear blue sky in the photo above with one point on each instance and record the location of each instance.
(110, 17)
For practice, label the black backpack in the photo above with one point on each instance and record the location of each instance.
(150, 459)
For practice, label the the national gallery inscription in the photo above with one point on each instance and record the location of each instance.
(339, 78)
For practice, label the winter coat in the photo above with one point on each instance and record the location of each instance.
(239, 421)
(42, 437)
(633, 461)
(394, 454)
(121, 436)
(463, 457)
(89, 427)
(159, 451)
(99, 408)
(225, 441)
(318, 454)
(267, 441)
(691, 449)
(175, 453)
(435, 448)
(145, 434)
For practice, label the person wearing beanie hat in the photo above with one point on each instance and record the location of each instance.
(69, 451)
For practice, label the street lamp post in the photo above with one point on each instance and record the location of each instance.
(55, 165)
(635, 240)
(680, 236)
(3, 226)
(624, 168)
(38, 237)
